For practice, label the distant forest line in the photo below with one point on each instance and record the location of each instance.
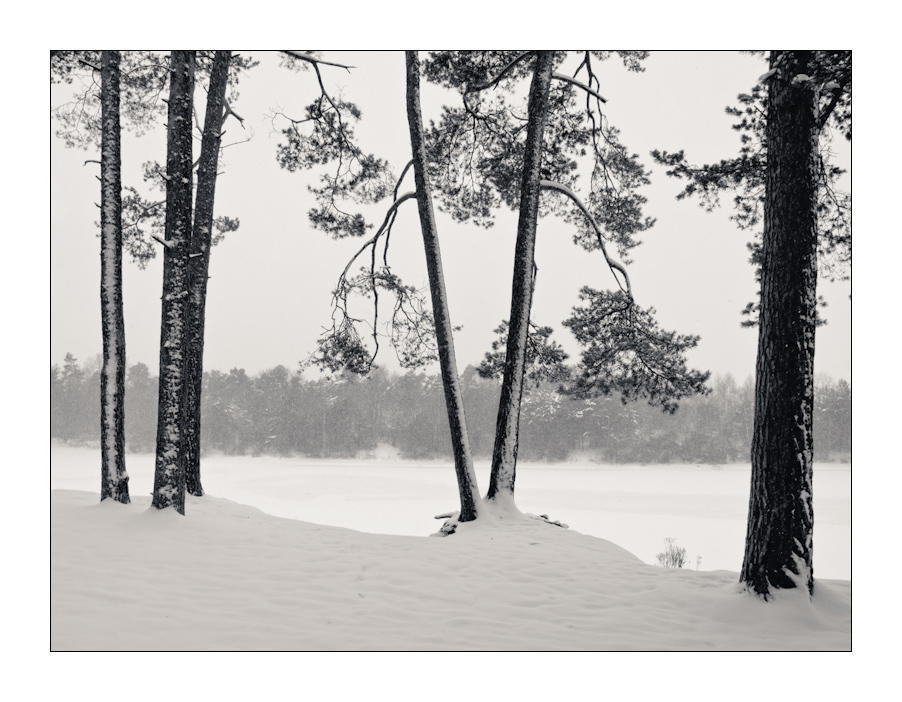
(279, 412)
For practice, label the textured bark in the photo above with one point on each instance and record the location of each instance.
(114, 479)
(507, 429)
(778, 551)
(463, 461)
(169, 476)
(200, 265)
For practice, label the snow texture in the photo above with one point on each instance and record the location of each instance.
(228, 576)
(231, 577)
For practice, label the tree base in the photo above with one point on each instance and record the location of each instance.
(452, 520)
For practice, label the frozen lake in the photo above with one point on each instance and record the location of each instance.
(703, 507)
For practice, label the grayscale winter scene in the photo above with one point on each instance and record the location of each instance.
(451, 351)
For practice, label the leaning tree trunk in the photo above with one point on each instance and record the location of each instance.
(169, 476)
(200, 265)
(460, 443)
(113, 478)
(778, 542)
(507, 429)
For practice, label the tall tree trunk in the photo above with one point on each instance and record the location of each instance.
(169, 475)
(200, 264)
(457, 423)
(114, 479)
(779, 538)
(507, 429)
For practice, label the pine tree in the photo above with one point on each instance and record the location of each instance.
(133, 222)
(481, 158)
(785, 135)
(477, 157)
(169, 474)
(507, 428)
(114, 478)
(199, 261)
(444, 331)
(778, 551)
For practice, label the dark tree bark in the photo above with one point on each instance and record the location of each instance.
(463, 461)
(778, 550)
(504, 457)
(169, 476)
(114, 479)
(199, 262)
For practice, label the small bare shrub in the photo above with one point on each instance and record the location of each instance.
(673, 556)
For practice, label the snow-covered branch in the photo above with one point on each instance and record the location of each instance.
(309, 58)
(837, 89)
(614, 265)
(167, 244)
(578, 84)
(372, 242)
(401, 177)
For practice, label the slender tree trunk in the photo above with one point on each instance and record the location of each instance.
(114, 479)
(507, 429)
(457, 423)
(200, 264)
(169, 476)
(779, 539)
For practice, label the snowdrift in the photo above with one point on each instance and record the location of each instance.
(230, 577)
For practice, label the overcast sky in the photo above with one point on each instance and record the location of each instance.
(269, 293)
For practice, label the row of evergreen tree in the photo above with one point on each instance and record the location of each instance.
(278, 412)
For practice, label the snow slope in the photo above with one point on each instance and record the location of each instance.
(228, 576)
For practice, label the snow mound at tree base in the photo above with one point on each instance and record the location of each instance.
(230, 577)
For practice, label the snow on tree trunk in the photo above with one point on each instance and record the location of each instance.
(507, 429)
(200, 265)
(463, 461)
(169, 476)
(114, 479)
(778, 552)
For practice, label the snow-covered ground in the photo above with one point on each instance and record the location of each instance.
(703, 507)
(229, 576)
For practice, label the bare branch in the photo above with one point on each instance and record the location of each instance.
(375, 238)
(614, 265)
(312, 59)
(573, 81)
(89, 64)
(240, 141)
(90, 160)
(230, 111)
(391, 223)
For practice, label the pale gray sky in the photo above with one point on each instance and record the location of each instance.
(269, 294)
